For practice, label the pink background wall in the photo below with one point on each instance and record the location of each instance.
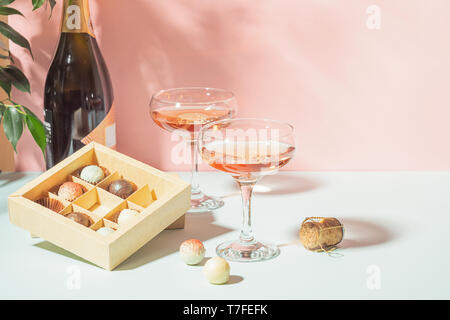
(359, 99)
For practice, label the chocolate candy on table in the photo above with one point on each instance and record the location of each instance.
(217, 270)
(192, 251)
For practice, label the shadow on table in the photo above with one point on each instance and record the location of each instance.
(199, 226)
(8, 177)
(363, 233)
(234, 279)
(279, 184)
(54, 248)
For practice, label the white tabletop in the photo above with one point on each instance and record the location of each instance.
(395, 244)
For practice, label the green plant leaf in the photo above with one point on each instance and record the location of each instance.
(16, 78)
(6, 11)
(13, 125)
(6, 86)
(6, 2)
(36, 128)
(14, 36)
(5, 83)
(52, 3)
(37, 4)
(10, 57)
(2, 110)
(3, 46)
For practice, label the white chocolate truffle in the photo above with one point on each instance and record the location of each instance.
(192, 251)
(126, 216)
(104, 231)
(92, 174)
(217, 270)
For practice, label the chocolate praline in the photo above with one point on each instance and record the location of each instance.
(192, 251)
(104, 231)
(80, 218)
(121, 188)
(70, 190)
(126, 215)
(92, 174)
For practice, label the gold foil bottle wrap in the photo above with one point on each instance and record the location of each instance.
(76, 17)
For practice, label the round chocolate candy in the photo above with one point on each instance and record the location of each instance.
(192, 251)
(70, 190)
(104, 231)
(217, 270)
(80, 218)
(121, 188)
(126, 216)
(92, 174)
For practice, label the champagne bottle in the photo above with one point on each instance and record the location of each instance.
(78, 97)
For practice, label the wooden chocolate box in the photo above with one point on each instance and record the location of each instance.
(160, 198)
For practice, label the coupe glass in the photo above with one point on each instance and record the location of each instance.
(247, 149)
(184, 111)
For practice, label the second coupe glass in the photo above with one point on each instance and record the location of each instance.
(247, 149)
(184, 111)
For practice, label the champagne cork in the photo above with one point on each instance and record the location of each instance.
(321, 234)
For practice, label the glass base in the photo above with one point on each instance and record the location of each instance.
(256, 251)
(203, 203)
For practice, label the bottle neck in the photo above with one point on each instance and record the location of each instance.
(76, 17)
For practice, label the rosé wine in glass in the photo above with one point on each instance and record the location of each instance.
(183, 111)
(188, 119)
(247, 149)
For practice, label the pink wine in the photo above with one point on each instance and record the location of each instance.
(188, 118)
(247, 158)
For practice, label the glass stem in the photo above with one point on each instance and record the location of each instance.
(246, 237)
(195, 188)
